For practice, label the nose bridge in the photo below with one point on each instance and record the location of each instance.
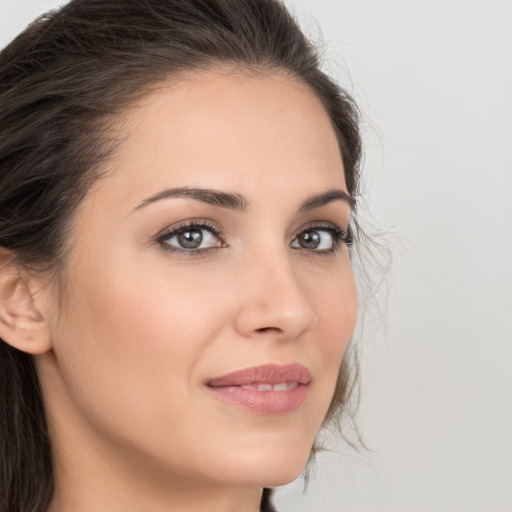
(272, 300)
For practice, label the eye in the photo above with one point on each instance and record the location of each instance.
(321, 238)
(191, 237)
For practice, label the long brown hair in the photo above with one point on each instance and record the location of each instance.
(61, 81)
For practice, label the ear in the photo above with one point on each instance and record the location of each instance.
(22, 325)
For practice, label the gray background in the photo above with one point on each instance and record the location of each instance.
(434, 81)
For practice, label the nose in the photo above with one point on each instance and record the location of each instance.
(272, 301)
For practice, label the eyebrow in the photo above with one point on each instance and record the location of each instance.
(234, 201)
(326, 198)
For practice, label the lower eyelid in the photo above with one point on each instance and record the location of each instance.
(338, 236)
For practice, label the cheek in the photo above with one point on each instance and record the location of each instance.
(337, 316)
(131, 340)
(138, 335)
(336, 306)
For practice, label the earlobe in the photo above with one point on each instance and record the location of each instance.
(22, 325)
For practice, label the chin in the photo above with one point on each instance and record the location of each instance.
(270, 464)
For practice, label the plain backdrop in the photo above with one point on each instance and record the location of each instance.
(434, 82)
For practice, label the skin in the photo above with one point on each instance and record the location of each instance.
(143, 328)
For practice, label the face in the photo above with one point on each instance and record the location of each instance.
(210, 296)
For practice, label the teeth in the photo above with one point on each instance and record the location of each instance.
(281, 386)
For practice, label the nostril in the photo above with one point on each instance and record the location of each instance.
(266, 329)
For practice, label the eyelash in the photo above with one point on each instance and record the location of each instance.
(339, 237)
(193, 225)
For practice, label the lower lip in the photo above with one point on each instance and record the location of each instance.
(262, 402)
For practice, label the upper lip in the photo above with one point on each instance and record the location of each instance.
(265, 374)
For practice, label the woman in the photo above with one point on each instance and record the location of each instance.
(177, 195)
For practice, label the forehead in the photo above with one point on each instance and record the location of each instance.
(225, 129)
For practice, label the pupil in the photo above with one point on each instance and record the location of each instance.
(309, 239)
(190, 239)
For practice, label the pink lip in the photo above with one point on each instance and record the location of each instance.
(231, 388)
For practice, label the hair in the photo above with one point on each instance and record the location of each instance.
(62, 83)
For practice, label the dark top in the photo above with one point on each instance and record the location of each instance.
(266, 502)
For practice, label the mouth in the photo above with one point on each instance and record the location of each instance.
(268, 389)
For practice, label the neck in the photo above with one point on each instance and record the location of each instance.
(113, 491)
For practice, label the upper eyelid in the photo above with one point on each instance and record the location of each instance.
(209, 224)
(321, 225)
(190, 224)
